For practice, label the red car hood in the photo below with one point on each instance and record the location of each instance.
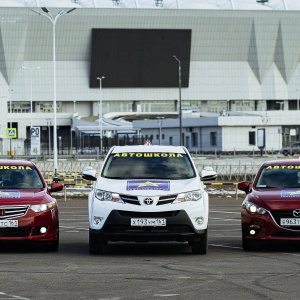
(276, 199)
(21, 197)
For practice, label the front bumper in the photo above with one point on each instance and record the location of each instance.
(266, 227)
(30, 226)
(118, 227)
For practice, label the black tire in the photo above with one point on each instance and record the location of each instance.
(54, 246)
(251, 245)
(200, 246)
(96, 246)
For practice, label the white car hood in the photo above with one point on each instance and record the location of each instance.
(148, 187)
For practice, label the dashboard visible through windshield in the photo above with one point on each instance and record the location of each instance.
(148, 165)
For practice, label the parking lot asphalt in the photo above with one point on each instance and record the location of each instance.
(150, 270)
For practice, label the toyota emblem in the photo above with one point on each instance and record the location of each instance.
(148, 201)
(296, 213)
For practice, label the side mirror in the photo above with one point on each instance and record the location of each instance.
(244, 186)
(56, 186)
(89, 174)
(208, 174)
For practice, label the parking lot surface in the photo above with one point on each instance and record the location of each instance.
(150, 270)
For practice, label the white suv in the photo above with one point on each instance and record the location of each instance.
(148, 193)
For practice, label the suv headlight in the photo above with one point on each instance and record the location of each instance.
(42, 207)
(108, 196)
(253, 208)
(189, 196)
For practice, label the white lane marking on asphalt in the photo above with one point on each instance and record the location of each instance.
(221, 224)
(166, 295)
(229, 230)
(74, 220)
(75, 228)
(291, 254)
(8, 296)
(224, 236)
(223, 246)
(74, 215)
(225, 212)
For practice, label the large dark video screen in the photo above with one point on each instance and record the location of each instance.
(137, 58)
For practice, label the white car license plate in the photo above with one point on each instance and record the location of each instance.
(290, 222)
(148, 222)
(9, 223)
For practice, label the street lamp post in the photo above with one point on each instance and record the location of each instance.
(159, 122)
(180, 113)
(49, 142)
(265, 119)
(53, 20)
(297, 99)
(10, 117)
(100, 111)
(31, 70)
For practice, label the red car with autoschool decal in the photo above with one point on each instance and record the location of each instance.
(271, 209)
(27, 210)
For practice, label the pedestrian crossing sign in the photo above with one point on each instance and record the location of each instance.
(11, 133)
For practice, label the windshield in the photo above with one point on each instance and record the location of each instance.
(20, 177)
(148, 166)
(279, 177)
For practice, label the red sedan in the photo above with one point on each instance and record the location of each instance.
(271, 209)
(27, 210)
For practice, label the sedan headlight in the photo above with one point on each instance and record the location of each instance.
(108, 196)
(42, 207)
(253, 208)
(189, 196)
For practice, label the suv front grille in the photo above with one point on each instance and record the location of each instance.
(130, 199)
(166, 199)
(135, 201)
(9, 212)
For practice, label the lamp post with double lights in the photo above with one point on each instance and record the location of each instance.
(53, 20)
(31, 70)
(180, 113)
(100, 112)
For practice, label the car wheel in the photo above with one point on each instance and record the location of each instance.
(96, 246)
(200, 246)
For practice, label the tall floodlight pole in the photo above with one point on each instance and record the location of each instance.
(100, 112)
(179, 84)
(31, 70)
(53, 20)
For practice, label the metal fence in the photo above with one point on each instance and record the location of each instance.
(228, 169)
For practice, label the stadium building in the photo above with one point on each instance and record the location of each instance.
(234, 63)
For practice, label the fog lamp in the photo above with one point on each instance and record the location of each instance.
(252, 232)
(199, 220)
(97, 220)
(43, 230)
